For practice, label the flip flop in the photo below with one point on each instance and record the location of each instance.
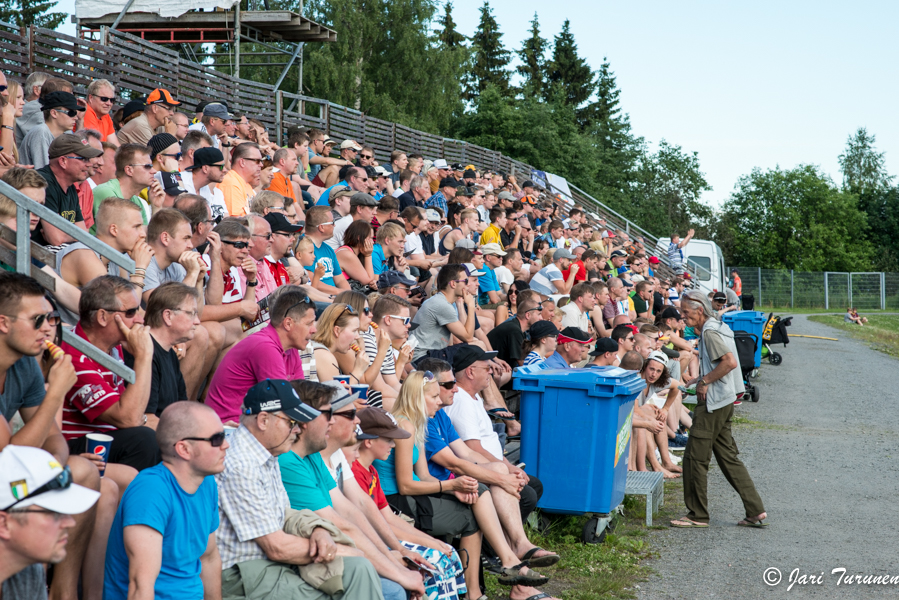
(539, 596)
(685, 523)
(756, 524)
(514, 576)
(547, 560)
(494, 412)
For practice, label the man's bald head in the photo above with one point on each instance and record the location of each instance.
(178, 421)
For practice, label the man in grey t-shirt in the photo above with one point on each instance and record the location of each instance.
(437, 318)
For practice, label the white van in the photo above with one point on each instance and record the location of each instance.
(706, 258)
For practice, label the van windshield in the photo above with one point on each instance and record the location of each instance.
(704, 272)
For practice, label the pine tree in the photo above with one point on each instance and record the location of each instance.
(863, 167)
(490, 58)
(533, 68)
(448, 36)
(569, 71)
(31, 12)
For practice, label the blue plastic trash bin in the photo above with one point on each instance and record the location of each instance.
(750, 321)
(575, 431)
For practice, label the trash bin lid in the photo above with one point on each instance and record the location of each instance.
(606, 382)
(753, 316)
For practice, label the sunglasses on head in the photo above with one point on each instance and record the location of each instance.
(347, 309)
(237, 245)
(306, 300)
(215, 440)
(60, 482)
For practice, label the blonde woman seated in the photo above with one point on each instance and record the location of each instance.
(336, 334)
(458, 506)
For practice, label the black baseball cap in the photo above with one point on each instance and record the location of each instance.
(671, 313)
(574, 334)
(59, 100)
(468, 355)
(280, 223)
(449, 182)
(391, 278)
(542, 329)
(273, 395)
(604, 345)
(204, 157)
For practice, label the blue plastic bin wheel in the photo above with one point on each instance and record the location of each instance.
(575, 434)
(751, 321)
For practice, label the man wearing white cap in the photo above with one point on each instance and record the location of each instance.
(37, 497)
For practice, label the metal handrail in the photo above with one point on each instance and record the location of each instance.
(24, 207)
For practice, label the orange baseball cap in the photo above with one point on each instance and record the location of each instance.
(529, 199)
(161, 96)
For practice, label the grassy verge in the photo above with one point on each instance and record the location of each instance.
(881, 332)
(610, 570)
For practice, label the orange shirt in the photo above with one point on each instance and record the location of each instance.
(93, 121)
(237, 193)
(282, 185)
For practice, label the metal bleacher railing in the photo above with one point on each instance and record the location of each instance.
(22, 262)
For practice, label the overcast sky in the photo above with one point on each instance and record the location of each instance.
(743, 84)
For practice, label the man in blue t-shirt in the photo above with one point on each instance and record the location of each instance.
(491, 296)
(163, 535)
(320, 227)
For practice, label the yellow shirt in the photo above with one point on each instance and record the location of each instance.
(491, 236)
(237, 193)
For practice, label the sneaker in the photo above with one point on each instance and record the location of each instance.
(738, 402)
(678, 443)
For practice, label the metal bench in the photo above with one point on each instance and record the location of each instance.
(650, 484)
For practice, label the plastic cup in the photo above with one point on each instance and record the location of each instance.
(342, 378)
(361, 389)
(98, 444)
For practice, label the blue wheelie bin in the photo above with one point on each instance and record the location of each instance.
(575, 431)
(750, 321)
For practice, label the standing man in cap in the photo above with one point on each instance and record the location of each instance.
(717, 388)
(549, 280)
(572, 348)
(157, 115)
(162, 542)
(605, 354)
(134, 174)
(67, 167)
(215, 115)
(37, 501)
(100, 100)
(60, 115)
(208, 167)
(253, 505)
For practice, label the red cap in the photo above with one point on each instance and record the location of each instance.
(653, 260)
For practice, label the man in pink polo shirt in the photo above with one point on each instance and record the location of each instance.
(271, 353)
(260, 247)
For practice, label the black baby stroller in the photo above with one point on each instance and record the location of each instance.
(746, 344)
(775, 332)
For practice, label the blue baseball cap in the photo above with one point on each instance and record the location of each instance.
(274, 395)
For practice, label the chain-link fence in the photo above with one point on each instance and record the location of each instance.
(782, 288)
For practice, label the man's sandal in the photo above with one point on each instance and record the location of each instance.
(686, 523)
(547, 560)
(514, 576)
(539, 596)
(760, 524)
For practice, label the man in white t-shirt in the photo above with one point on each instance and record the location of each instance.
(362, 208)
(510, 269)
(208, 167)
(577, 311)
(549, 280)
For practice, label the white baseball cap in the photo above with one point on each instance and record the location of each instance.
(440, 164)
(31, 476)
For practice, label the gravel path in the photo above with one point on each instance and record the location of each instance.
(824, 458)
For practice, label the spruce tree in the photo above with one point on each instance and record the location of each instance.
(533, 68)
(570, 71)
(490, 59)
(31, 12)
(447, 35)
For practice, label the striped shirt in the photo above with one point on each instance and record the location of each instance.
(252, 499)
(676, 258)
(95, 391)
(533, 358)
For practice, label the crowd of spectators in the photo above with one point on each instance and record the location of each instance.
(322, 350)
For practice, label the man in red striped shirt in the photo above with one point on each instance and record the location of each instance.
(99, 402)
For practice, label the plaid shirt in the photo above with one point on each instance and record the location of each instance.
(438, 200)
(252, 499)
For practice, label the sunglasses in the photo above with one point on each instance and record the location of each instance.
(60, 482)
(68, 111)
(349, 414)
(328, 414)
(77, 158)
(237, 245)
(215, 440)
(37, 321)
(267, 236)
(366, 156)
(104, 99)
(447, 385)
(128, 312)
(347, 309)
(405, 320)
(176, 156)
(3, 88)
(293, 422)
(147, 166)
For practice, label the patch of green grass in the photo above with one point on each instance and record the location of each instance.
(608, 570)
(881, 332)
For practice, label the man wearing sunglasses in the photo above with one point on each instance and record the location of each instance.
(60, 115)
(169, 513)
(390, 315)
(508, 337)
(37, 501)
(158, 111)
(100, 100)
(134, 174)
(208, 167)
(253, 503)
(215, 115)
(238, 184)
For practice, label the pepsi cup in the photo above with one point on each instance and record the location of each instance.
(361, 389)
(342, 378)
(98, 444)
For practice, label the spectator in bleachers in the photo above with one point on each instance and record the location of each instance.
(320, 145)
(468, 221)
(719, 303)
(510, 270)
(329, 175)
(215, 115)
(387, 253)
(571, 348)
(60, 111)
(617, 304)
(163, 536)
(237, 185)
(174, 259)
(31, 112)
(675, 291)
(85, 188)
(37, 501)
(403, 191)
(253, 505)
(438, 318)
(497, 223)
(509, 337)
(68, 165)
(99, 402)
(577, 312)
(156, 117)
(549, 280)
(196, 209)
(259, 248)
(271, 353)
(281, 263)
(207, 167)
(355, 255)
(100, 100)
(11, 111)
(390, 314)
(642, 299)
(362, 208)
(180, 125)
(606, 353)
(285, 163)
(320, 228)
(337, 332)
(134, 174)
(542, 343)
(676, 251)
(445, 193)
